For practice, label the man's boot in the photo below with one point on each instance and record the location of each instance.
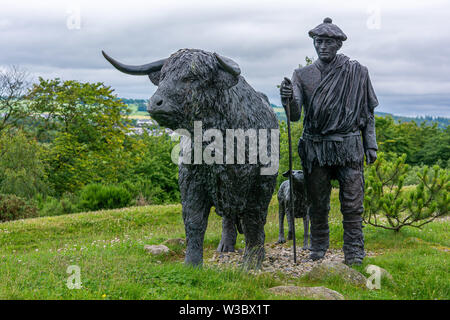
(353, 239)
(320, 237)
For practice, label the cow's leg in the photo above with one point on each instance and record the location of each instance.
(281, 214)
(229, 235)
(253, 226)
(253, 221)
(195, 216)
(306, 236)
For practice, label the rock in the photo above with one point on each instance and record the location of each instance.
(156, 249)
(327, 269)
(174, 242)
(316, 293)
(384, 273)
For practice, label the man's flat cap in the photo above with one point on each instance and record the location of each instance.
(328, 29)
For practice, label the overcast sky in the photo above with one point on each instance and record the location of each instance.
(405, 44)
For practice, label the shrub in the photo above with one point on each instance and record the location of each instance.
(97, 196)
(387, 205)
(22, 172)
(13, 207)
(51, 206)
(151, 191)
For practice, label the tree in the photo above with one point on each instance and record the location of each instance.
(22, 172)
(387, 205)
(14, 82)
(90, 143)
(423, 144)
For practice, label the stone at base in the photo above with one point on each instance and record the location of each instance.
(316, 293)
(156, 249)
(331, 269)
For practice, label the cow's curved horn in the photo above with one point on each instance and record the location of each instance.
(142, 70)
(228, 65)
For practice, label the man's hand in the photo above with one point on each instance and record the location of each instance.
(286, 91)
(371, 156)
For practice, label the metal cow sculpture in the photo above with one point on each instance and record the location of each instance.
(195, 85)
(300, 207)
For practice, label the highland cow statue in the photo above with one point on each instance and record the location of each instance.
(202, 95)
(300, 207)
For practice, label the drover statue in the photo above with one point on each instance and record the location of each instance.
(338, 102)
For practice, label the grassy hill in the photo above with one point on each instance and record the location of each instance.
(108, 246)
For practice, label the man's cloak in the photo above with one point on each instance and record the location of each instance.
(337, 107)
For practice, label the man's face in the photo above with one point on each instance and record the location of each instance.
(326, 48)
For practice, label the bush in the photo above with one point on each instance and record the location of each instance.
(13, 207)
(97, 196)
(151, 191)
(22, 172)
(387, 205)
(51, 206)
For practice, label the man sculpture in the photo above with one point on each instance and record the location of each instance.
(338, 102)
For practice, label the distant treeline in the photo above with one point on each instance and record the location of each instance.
(140, 103)
(441, 121)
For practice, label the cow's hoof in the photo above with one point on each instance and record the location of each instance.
(223, 247)
(317, 255)
(281, 240)
(253, 258)
(196, 263)
(306, 248)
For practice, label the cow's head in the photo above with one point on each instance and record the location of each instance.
(188, 82)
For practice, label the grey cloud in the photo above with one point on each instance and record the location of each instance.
(408, 57)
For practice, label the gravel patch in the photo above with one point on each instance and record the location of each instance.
(278, 258)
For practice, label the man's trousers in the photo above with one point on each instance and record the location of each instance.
(351, 196)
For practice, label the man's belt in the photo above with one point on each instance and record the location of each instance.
(338, 137)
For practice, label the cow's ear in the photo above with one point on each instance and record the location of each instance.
(229, 71)
(154, 77)
(224, 80)
(228, 65)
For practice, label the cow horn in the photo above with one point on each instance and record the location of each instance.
(228, 65)
(141, 70)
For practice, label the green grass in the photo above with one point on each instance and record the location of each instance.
(108, 246)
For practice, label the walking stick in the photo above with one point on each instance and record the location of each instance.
(291, 184)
